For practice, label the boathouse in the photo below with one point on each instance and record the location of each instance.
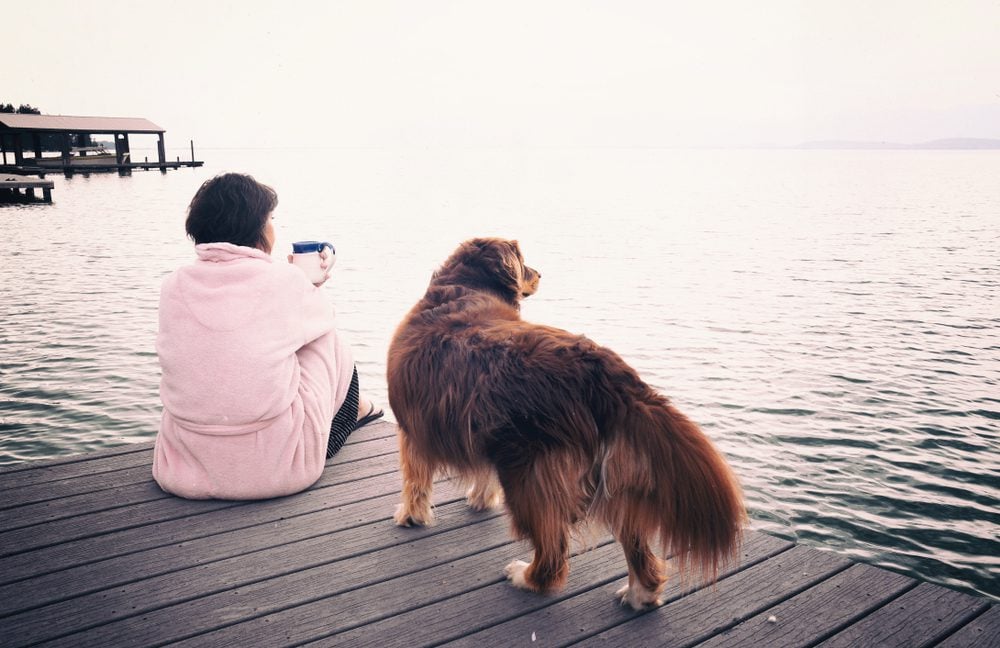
(21, 137)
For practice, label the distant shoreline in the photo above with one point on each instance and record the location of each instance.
(952, 144)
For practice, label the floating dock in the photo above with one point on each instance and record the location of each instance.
(11, 186)
(93, 553)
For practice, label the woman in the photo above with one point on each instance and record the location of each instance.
(253, 371)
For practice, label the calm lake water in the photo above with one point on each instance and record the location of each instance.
(831, 318)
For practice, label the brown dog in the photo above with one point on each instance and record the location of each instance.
(570, 431)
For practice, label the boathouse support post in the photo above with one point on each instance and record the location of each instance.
(3, 146)
(123, 153)
(65, 149)
(160, 150)
(121, 149)
(18, 150)
(36, 139)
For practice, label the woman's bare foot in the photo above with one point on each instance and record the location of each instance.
(367, 411)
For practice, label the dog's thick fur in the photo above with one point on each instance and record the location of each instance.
(568, 430)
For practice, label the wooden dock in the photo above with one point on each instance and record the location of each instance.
(125, 168)
(11, 186)
(93, 553)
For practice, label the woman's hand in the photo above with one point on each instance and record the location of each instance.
(324, 263)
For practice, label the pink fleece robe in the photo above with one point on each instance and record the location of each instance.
(252, 374)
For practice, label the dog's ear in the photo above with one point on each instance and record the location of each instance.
(499, 262)
(504, 258)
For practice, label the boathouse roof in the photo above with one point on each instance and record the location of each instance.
(71, 124)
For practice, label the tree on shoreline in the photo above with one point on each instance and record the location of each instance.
(23, 109)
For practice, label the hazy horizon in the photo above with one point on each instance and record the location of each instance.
(515, 74)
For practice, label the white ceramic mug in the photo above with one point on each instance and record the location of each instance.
(305, 255)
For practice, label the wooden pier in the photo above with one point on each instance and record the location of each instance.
(11, 186)
(125, 167)
(93, 553)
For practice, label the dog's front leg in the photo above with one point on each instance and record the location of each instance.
(418, 481)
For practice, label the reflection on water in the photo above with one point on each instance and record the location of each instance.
(829, 317)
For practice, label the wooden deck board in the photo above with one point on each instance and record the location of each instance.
(981, 632)
(133, 469)
(133, 486)
(818, 611)
(345, 605)
(106, 518)
(93, 553)
(702, 614)
(920, 617)
(69, 467)
(160, 560)
(368, 478)
(456, 612)
(126, 541)
(63, 489)
(560, 622)
(205, 596)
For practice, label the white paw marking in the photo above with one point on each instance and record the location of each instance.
(515, 573)
(483, 500)
(638, 597)
(407, 518)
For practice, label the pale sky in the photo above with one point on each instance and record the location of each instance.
(514, 73)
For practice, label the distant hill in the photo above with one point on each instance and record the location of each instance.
(959, 143)
(955, 143)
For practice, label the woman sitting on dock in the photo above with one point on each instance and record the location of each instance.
(253, 370)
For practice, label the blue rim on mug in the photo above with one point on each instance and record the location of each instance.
(305, 247)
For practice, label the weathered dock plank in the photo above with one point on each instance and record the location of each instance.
(700, 615)
(74, 487)
(559, 621)
(145, 504)
(207, 595)
(456, 611)
(124, 487)
(921, 617)
(817, 611)
(368, 478)
(161, 560)
(981, 632)
(93, 554)
(46, 470)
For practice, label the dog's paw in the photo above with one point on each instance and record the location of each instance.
(639, 598)
(515, 574)
(481, 499)
(408, 518)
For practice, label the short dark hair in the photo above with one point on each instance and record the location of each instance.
(231, 208)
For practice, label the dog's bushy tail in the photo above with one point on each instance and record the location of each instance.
(662, 478)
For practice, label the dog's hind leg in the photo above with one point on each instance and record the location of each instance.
(418, 480)
(540, 514)
(549, 567)
(485, 492)
(645, 569)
